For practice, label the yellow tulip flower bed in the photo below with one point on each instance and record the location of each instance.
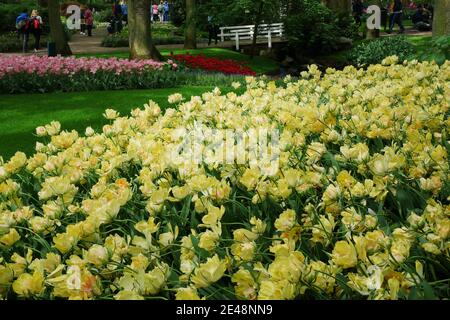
(357, 208)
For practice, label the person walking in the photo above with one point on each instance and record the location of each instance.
(82, 21)
(35, 27)
(166, 11)
(117, 10)
(124, 12)
(212, 30)
(429, 9)
(155, 12)
(412, 5)
(397, 16)
(384, 14)
(118, 16)
(22, 27)
(161, 11)
(89, 17)
(358, 10)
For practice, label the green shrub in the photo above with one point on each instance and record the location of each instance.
(10, 11)
(439, 50)
(374, 51)
(10, 43)
(85, 81)
(115, 41)
(165, 29)
(168, 40)
(99, 5)
(311, 27)
(178, 13)
(162, 33)
(106, 80)
(346, 26)
(103, 15)
(202, 78)
(8, 14)
(121, 40)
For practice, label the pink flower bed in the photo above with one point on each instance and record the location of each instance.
(14, 64)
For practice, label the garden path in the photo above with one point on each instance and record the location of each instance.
(81, 44)
(408, 32)
(92, 45)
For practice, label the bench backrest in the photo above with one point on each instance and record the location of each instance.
(246, 32)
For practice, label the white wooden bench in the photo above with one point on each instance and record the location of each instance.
(238, 33)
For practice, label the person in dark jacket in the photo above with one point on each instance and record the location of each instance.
(397, 16)
(117, 10)
(213, 30)
(429, 9)
(124, 12)
(82, 21)
(23, 30)
(358, 10)
(385, 15)
(420, 19)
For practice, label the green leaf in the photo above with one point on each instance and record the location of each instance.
(202, 253)
(428, 291)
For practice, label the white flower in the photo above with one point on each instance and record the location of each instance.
(39, 146)
(375, 279)
(2, 173)
(41, 131)
(89, 131)
(236, 85)
(175, 98)
(111, 114)
(53, 128)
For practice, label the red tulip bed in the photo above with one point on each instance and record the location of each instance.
(226, 66)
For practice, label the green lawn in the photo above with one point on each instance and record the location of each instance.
(259, 64)
(420, 42)
(21, 114)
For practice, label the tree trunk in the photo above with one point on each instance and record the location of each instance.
(56, 28)
(441, 20)
(257, 22)
(190, 36)
(140, 35)
(339, 6)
